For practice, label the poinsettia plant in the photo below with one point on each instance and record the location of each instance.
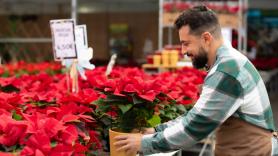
(134, 99)
(129, 104)
(39, 116)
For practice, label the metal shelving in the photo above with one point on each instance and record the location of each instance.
(241, 29)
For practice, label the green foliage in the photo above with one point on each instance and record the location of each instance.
(16, 116)
(172, 110)
(53, 144)
(10, 149)
(132, 112)
(5, 74)
(9, 88)
(125, 108)
(154, 121)
(43, 104)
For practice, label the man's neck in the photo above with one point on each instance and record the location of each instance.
(212, 53)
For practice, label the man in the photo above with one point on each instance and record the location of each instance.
(234, 99)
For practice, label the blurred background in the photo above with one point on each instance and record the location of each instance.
(130, 27)
(140, 32)
(137, 29)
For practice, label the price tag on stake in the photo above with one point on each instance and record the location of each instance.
(111, 64)
(81, 37)
(63, 39)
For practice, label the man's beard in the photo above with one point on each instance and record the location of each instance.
(200, 60)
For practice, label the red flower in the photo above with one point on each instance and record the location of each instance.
(53, 126)
(149, 95)
(2, 70)
(6, 154)
(70, 118)
(69, 135)
(62, 149)
(168, 6)
(39, 140)
(94, 139)
(12, 131)
(78, 148)
(27, 151)
(181, 6)
(87, 95)
(8, 81)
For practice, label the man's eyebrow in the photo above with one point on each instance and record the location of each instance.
(184, 42)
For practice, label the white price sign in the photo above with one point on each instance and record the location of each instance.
(81, 38)
(63, 37)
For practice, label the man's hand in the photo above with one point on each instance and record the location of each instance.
(130, 144)
(148, 131)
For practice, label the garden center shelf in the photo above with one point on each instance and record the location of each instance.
(232, 14)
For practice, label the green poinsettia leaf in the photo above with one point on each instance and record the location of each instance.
(125, 108)
(9, 88)
(162, 112)
(98, 102)
(53, 144)
(103, 108)
(16, 116)
(155, 120)
(137, 100)
(181, 108)
(170, 115)
(5, 74)
(173, 108)
(115, 100)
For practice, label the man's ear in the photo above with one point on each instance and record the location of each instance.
(206, 39)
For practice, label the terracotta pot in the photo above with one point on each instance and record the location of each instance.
(113, 151)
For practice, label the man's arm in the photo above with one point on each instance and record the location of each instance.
(170, 123)
(220, 98)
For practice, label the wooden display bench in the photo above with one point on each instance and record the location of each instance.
(161, 68)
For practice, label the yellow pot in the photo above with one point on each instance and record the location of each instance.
(156, 60)
(165, 58)
(174, 58)
(113, 151)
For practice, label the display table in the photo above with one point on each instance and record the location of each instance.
(162, 68)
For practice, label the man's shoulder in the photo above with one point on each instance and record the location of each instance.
(240, 68)
(231, 61)
(230, 66)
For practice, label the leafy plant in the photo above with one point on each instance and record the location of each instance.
(172, 110)
(127, 113)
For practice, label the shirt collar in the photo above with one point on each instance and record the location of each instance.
(220, 51)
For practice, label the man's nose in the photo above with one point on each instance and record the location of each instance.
(183, 50)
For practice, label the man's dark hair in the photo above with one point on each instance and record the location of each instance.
(199, 19)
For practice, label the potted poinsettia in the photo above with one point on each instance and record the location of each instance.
(133, 99)
(128, 106)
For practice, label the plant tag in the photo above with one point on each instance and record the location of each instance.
(111, 64)
(63, 39)
(81, 38)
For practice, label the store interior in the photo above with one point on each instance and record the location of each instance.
(138, 30)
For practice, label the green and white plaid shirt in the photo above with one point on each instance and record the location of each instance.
(233, 87)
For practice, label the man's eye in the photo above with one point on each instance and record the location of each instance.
(185, 44)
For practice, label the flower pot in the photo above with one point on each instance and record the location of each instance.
(157, 60)
(165, 58)
(174, 57)
(113, 151)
